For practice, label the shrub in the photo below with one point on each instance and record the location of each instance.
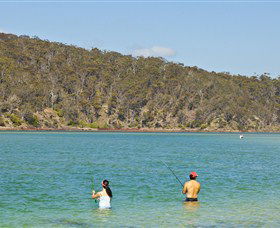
(15, 119)
(195, 123)
(59, 112)
(203, 126)
(181, 126)
(72, 123)
(93, 125)
(188, 125)
(32, 119)
(2, 121)
(103, 125)
(82, 123)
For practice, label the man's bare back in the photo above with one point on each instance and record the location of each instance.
(191, 188)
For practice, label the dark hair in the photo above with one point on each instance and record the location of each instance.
(105, 184)
(192, 177)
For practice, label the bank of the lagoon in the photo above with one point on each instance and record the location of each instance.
(148, 130)
(46, 179)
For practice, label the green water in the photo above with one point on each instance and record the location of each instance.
(46, 179)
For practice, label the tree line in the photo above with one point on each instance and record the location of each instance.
(50, 84)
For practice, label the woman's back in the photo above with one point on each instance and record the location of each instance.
(104, 200)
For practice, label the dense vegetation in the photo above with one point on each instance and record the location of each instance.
(49, 84)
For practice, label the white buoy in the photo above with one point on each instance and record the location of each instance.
(241, 136)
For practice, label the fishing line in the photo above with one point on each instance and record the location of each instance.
(173, 173)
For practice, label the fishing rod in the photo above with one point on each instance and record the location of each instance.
(92, 187)
(173, 173)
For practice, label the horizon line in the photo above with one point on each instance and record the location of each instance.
(139, 1)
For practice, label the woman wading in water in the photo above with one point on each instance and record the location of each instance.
(104, 196)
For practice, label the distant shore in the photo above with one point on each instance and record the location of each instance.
(77, 129)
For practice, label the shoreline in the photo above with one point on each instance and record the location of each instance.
(147, 130)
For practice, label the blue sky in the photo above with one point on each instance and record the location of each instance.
(237, 37)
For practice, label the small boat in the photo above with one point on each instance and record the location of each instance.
(241, 136)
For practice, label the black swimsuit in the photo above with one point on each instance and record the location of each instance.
(191, 199)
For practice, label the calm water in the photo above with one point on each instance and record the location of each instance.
(46, 179)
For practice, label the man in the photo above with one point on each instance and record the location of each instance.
(191, 188)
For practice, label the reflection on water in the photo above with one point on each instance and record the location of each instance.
(191, 206)
(102, 214)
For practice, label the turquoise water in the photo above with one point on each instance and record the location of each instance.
(46, 179)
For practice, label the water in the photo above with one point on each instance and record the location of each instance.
(46, 179)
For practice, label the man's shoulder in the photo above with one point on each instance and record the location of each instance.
(194, 182)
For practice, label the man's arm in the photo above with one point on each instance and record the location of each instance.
(185, 188)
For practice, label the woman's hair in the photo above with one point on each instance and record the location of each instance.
(105, 185)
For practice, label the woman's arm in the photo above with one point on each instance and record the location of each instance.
(97, 195)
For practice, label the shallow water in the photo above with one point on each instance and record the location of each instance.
(46, 179)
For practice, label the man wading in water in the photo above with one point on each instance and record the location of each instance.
(191, 188)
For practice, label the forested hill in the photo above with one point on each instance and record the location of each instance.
(48, 84)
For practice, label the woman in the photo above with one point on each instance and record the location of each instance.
(104, 196)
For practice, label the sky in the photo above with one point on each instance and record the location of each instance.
(240, 37)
